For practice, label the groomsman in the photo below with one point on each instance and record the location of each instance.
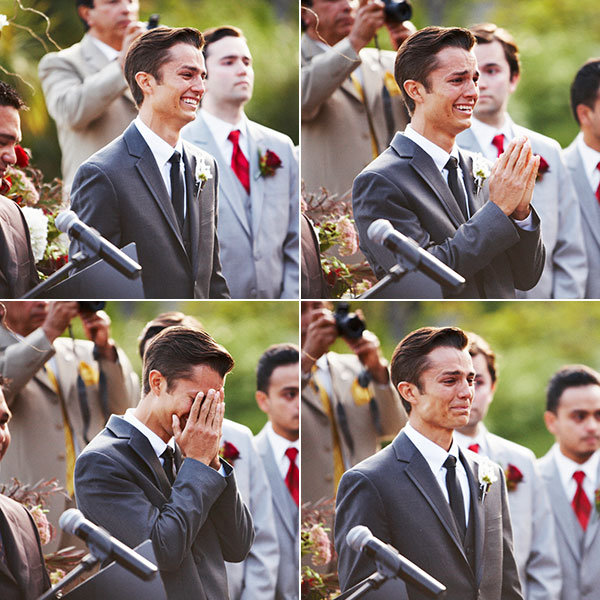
(535, 548)
(554, 199)
(571, 472)
(278, 388)
(583, 159)
(258, 188)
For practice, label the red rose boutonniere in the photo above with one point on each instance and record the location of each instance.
(229, 452)
(22, 157)
(513, 477)
(542, 169)
(268, 163)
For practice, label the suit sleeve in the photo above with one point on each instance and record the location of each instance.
(323, 74)
(132, 518)
(20, 361)
(291, 244)
(74, 100)
(467, 250)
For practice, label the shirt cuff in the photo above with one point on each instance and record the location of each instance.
(526, 224)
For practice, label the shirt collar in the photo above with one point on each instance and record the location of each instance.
(589, 156)
(465, 441)
(108, 51)
(434, 455)
(221, 129)
(439, 155)
(161, 149)
(484, 133)
(566, 466)
(158, 445)
(279, 444)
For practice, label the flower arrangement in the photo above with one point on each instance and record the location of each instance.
(268, 163)
(513, 477)
(486, 475)
(229, 452)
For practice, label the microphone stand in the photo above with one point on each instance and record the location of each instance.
(395, 274)
(374, 581)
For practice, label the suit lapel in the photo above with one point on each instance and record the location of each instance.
(193, 210)
(258, 145)
(16, 552)
(593, 529)
(466, 165)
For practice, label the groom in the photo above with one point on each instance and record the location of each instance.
(424, 186)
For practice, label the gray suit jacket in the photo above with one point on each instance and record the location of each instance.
(395, 495)
(404, 186)
(536, 552)
(554, 199)
(590, 210)
(121, 193)
(579, 551)
(288, 525)
(88, 97)
(259, 256)
(194, 526)
(255, 578)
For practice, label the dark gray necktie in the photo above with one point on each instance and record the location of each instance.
(455, 494)
(169, 464)
(177, 187)
(457, 191)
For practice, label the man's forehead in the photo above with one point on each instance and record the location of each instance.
(229, 46)
(449, 358)
(453, 58)
(583, 397)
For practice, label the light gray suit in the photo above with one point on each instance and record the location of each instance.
(579, 551)
(256, 576)
(535, 547)
(260, 253)
(590, 209)
(288, 525)
(565, 268)
(88, 97)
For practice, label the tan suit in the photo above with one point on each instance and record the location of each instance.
(88, 97)
(336, 139)
(317, 438)
(38, 450)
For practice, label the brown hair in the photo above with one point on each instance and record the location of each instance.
(149, 52)
(477, 345)
(214, 34)
(486, 33)
(175, 351)
(417, 57)
(410, 357)
(164, 320)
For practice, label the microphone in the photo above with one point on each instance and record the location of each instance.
(381, 232)
(69, 223)
(390, 562)
(72, 521)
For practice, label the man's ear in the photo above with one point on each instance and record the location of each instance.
(415, 90)
(262, 400)
(157, 382)
(583, 114)
(550, 420)
(514, 82)
(408, 391)
(145, 81)
(84, 13)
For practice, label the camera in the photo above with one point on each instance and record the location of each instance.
(153, 21)
(397, 11)
(349, 324)
(91, 305)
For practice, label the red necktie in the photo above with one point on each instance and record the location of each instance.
(598, 188)
(292, 479)
(474, 448)
(581, 504)
(239, 163)
(498, 141)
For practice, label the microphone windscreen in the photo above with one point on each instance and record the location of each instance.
(357, 537)
(64, 220)
(378, 230)
(70, 520)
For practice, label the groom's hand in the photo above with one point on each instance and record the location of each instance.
(513, 177)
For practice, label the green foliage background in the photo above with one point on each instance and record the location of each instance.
(555, 38)
(531, 340)
(271, 27)
(246, 329)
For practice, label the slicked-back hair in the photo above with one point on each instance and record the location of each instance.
(275, 356)
(477, 345)
(486, 33)
(149, 52)
(585, 88)
(175, 351)
(566, 377)
(10, 97)
(410, 358)
(214, 34)
(162, 321)
(417, 56)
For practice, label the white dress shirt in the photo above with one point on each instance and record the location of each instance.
(279, 445)
(590, 158)
(484, 134)
(220, 131)
(162, 152)
(464, 441)
(566, 468)
(436, 456)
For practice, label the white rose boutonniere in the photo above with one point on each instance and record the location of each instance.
(37, 223)
(203, 172)
(487, 476)
(482, 168)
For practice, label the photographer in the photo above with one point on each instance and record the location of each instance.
(351, 106)
(348, 402)
(59, 390)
